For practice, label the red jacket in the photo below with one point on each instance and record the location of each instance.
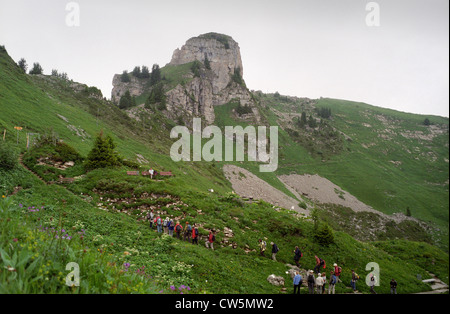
(210, 238)
(318, 262)
(336, 271)
(193, 234)
(180, 227)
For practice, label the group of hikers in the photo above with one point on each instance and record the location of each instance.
(316, 281)
(188, 232)
(316, 284)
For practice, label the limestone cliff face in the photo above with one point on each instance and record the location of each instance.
(135, 86)
(215, 86)
(222, 52)
(211, 86)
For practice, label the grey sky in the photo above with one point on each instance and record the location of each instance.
(308, 48)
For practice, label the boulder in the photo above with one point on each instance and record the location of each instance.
(276, 280)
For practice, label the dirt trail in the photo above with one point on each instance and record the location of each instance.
(35, 174)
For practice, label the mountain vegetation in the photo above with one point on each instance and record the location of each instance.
(67, 197)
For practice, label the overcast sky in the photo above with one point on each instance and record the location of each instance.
(309, 48)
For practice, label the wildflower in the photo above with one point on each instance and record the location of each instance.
(15, 239)
(172, 288)
(3, 196)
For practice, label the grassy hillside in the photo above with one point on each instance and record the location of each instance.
(103, 212)
(389, 160)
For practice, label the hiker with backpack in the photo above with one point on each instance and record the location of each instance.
(372, 283)
(166, 225)
(333, 281)
(210, 241)
(171, 227)
(298, 280)
(311, 282)
(262, 247)
(337, 272)
(393, 285)
(319, 263)
(187, 232)
(159, 224)
(275, 250)
(178, 229)
(150, 217)
(297, 256)
(195, 235)
(355, 278)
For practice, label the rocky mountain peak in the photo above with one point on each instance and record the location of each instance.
(222, 52)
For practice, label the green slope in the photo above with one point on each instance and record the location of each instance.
(94, 198)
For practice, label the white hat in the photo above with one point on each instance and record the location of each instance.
(334, 264)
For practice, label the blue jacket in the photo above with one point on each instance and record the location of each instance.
(297, 279)
(333, 280)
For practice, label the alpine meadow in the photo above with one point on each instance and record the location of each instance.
(94, 202)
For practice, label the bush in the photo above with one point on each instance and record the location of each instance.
(195, 68)
(37, 69)
(324, 234)
(102, 154)
(241, 110)
(157, 98)
(65, 153)
(237, 77)
(127, 101)
(8, 157)
(125, 78)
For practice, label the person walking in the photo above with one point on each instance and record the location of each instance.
(275, 250)
(355, 278)
(171, 227)
(210, 241)
(151, 172)
(178, 229)
(311, 282)
(195, 235)
(393, 284)
(319, 263)
(150, 217)
(319, 283)
(297, 256)
(337, 272)
(159, 224)
(187, 232)
(372, 283)
(298, 280)
(262, 247)
(166, 225)
(324, 277)
(333, 281)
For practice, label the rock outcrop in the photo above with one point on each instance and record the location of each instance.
(222, 52)
(214, 86)
(218, 81)
(136, 87)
